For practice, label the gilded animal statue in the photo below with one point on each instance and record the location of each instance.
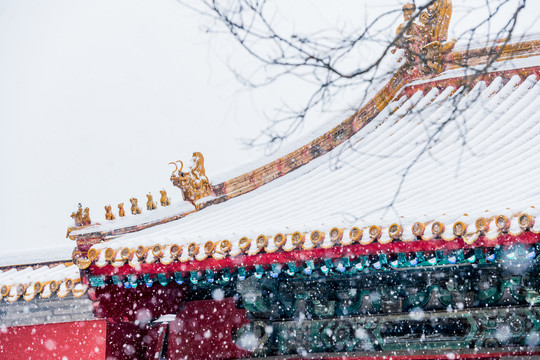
(81, 217)
(78, 216)
(150, 204)
(121, 211)
(86, 217)
(78, 219)
(165, 201)
(435, 20)
(408, 29)
(424, 36)
(194, 184)
(108, 213)
(135, 209)
(197, 166)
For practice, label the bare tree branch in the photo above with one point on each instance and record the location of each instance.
(327, 59)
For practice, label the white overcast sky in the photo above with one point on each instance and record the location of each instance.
(96, 97)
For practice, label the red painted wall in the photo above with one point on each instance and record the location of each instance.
(62, 341)
(203, 330)
(88, 340)
(139, 305)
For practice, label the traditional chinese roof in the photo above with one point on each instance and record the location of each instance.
(27, 282)
(450, 161)
(423, 201)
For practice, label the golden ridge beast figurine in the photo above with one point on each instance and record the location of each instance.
(150, 204)
(121, 211)
(78, 216)
(165, 201)
(424, 37)
(135, 209)
(108, 213)
(194, 184)
(81, 218)
(86, 217)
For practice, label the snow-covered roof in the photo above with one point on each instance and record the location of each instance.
(27, 282)
(36, 256)
(442, 160)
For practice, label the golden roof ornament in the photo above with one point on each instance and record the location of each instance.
(194, 184)
(108, 213)
(135, 209)
(77, 216)
(81, 217)
(424, 36)
(121, 211)
(165, 200)
(150, 204)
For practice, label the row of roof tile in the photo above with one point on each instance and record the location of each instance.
(28, 282)
(166, 252)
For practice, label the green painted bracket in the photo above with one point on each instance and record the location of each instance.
(96, 281)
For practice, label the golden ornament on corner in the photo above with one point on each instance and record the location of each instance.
(194, 184)
(424, 36)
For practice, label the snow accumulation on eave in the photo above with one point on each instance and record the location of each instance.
(443, 156)
(38, 272)
(37, 256)
(28, 273)
(146, 217)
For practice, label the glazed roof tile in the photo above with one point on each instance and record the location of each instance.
(44, 280)
(441, 161)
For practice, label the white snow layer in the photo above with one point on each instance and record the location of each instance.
(35, 256)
